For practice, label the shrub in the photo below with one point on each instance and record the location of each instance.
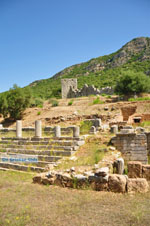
(130, 83)
(15, 102)
(85, 127)
(54, 102)
(97, 101)
(70, 102)
(139, 99)
(38, 113)
(37, 102)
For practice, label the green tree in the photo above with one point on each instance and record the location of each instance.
(3, 106)
(15, 102)
(130, 83)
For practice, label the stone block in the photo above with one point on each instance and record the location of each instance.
(137, 185)
(146, 172)
(102, 172)
(134, 169)
(98, 183)
(117, 183)
(80, 181)
(63, 180)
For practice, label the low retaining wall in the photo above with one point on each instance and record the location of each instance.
(99, 181)
(138, 170)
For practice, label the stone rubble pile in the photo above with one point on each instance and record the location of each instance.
(99, 180)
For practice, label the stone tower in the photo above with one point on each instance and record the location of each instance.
(65, 86)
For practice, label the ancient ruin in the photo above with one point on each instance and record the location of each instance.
(133, 145)
(69, 89)
(45, 150)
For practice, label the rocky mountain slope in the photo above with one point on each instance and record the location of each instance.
(137, 50)
(101, 71)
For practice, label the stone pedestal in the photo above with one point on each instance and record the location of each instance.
(38, 128)
(76, 131)
(19, 129)
(114, 129)
(92, 130)
(57, 131)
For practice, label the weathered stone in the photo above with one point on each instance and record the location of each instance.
(80, 181)
(114, 129)
(93, 130)
(140, 130)
(124, 131)
(132, 145)
(118, 166)
(117, 183)
(18, 128)
(146, 172)
(66, 85)
(57, 131)
(134, 169)
(102, 172)
(72, 169)
(63, 180)
(37, 179)
(137, 185)
(76, 131)
(106, 108)
(98, 183)
(38, 128)
(48, 181)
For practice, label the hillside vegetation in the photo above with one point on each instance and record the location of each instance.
(102, 71)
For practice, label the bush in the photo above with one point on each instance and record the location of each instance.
(37, 102)
(139, 99)
(70, 102)
(54, 102)
(97, 101)
(130, 83)
(85, 127)
(15, 102)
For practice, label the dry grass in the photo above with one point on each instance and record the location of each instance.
(89, 154)
(23, 203)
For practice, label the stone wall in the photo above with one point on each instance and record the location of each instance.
(133, 146)
(69, 89)
(127, 112)
(66, 84)
(138, 170)
(89, 90)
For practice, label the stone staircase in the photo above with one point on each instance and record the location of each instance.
(42, 151)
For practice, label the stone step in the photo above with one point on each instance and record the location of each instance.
(38, 164)
(48, 158)
(40, 147)
(49, 143)
(44, 138)
(21, 167)
(49, 153)
(12, 170)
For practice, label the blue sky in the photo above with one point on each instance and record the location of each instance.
(38, 38)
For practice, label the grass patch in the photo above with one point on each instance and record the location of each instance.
(98, 101)
(89, 154)
(54, 102)
(85, 127)
(23, 203)
(70, 102)
(144, 124)
(139, 99)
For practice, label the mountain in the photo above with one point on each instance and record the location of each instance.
(137, 50)
(101, 71)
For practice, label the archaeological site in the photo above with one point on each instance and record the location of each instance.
(75, 148)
